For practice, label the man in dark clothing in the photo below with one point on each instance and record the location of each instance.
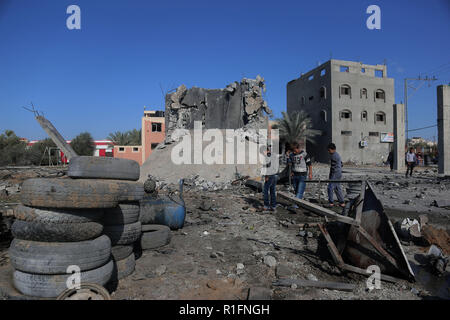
(390, 160)
(335, 174)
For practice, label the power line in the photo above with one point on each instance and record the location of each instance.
(435, 125)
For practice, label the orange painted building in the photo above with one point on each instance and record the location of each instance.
(152, 134)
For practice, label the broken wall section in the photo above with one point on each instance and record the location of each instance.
(239, 105)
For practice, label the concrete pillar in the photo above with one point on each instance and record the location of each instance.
(443, 122)
(399, 137)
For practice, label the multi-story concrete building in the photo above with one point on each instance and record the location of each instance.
(152, 134)
(352, 103)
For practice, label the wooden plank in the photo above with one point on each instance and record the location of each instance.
(365, 273)
(317, 209)
(315, 284)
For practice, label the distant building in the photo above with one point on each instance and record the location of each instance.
(152, 134)
(352, 103)
(103, 148)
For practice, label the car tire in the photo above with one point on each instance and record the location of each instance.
(50, 286)
(130, 191)
(123, 234)
(55, 215)
(70, 193)
(88, 167)
(124, 213)
(121, 252)
(56, 232)
(154, 236)
(54, 258)
(123, 268)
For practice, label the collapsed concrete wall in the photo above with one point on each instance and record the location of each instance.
(238, 105)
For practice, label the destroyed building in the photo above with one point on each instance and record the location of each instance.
(239, 104)
(352, 104)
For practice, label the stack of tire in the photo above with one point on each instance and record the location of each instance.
(58, 228)
(153, 235)
(121, 223)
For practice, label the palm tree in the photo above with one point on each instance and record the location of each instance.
(120, 138)
(135, 137)
(296, 127)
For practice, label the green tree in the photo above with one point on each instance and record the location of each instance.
(83, 144)
(12, 150)
(119, 138)
(135, 137)
(296, 127)
(127, 138)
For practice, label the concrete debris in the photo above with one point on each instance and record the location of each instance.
(437, 260)
(270, 261)
(239, 104)
(161, 270)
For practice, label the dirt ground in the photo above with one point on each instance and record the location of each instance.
(222, 253)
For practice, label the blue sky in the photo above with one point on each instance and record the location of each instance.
(98, 79)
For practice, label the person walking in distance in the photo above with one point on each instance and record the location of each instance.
(410, 162)
(335, 174)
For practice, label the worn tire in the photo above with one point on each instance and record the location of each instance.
(123, 234)
(150, 208)
(54, 215)
(154, 236)
(130, 191)
(87, 167)
(70, 193)
(124, 213)
(50, 286)
(123, 268)
(54, 258)
(56, 232)
(121, 252)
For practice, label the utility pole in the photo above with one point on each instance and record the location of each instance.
(406, 97)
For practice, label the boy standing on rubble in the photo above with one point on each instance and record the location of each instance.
(270, 175)
(301, 165)
(335, 174)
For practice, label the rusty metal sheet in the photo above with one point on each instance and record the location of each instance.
(374, 242)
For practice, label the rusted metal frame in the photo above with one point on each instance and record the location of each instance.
(359, 206)
(318, 209)
(377, 246)
(340, 262)
(392, 231)
(332, 247)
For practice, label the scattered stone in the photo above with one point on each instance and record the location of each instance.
(283, 271)
(293, 286)
(408, 201)
(205, 205)
(270, 261)
(240, 266)
(213, 255)
(311, 277)
(220, 253)
(218, 271)
(160, 270)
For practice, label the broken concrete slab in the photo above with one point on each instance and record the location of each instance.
(238, 105)
(56, 137)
